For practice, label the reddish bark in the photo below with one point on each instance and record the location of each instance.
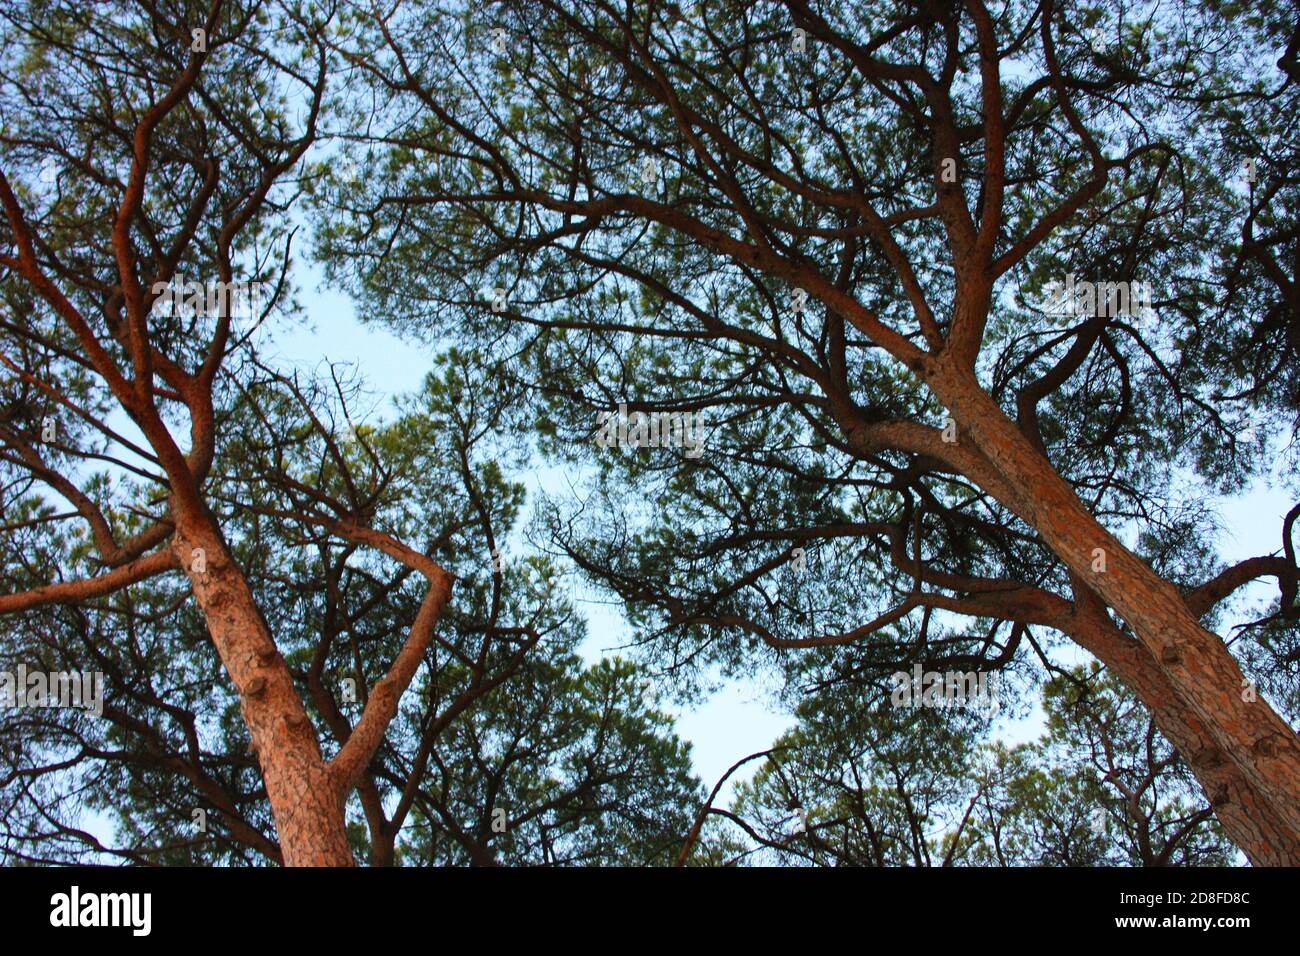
(307, 793)
(306, 802)
(1193, 683)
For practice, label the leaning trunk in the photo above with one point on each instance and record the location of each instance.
(1206, 685)
(1249, 822)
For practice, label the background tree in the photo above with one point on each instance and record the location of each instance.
(831, 231)
(858, 782)
(562, 766)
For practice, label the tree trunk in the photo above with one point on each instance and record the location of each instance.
(1247, 819)
(307, 801)
(1203, 677)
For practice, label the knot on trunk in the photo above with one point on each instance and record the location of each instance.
(1266, 746)
(256, 686)
(1209, 758)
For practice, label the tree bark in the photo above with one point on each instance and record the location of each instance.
(1204, 683)
(1247, 819)
(307, 800)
